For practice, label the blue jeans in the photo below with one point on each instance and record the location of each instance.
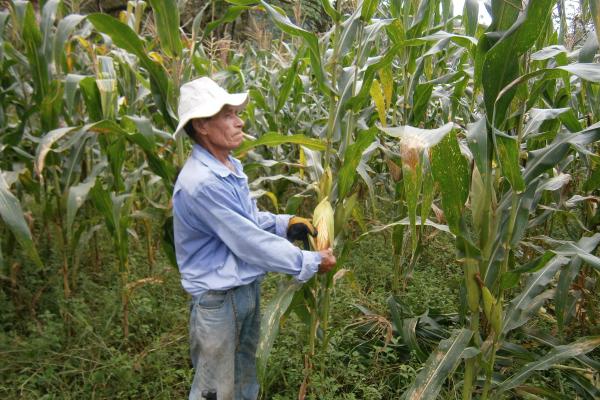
(224, 332)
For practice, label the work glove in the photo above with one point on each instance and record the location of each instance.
(299, 228)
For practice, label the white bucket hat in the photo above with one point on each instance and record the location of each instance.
(203, 98)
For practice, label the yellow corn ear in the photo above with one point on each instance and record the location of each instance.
(496, 318)
(323, 220)
(325, 184)
(488, 302)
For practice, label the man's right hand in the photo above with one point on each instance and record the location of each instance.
(328, 260)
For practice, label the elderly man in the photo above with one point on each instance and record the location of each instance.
(224, 245)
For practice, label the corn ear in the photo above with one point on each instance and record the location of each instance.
(325, 184)
(488, 302)
(323, 220)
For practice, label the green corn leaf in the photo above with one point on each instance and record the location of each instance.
(593, 182)
(310, 39)
(537, 116)
(124, 37)
(76, 197)
(583, 249)
(91, 97)
(269, 327)
(520, 310)
(12, 215)
(367, 9)
(501, 65)
(428, 191)
(563, 288)
(510, 279)
(439, 366)
(420, 102)
(349, 28)
(32, 38)
(507, 149)
(159, 166)
(453, 182)
(595, 13)
(555, 356)
(542, 159)
(470, 16)
(331, 11)
(276, 139)
(65, 27)
(588, 50)
(46, 144)
(46, 27)
(230, 15)
(352, 158)
(166, 17)
(71, 85)
(288, 83)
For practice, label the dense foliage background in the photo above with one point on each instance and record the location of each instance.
(458, 164)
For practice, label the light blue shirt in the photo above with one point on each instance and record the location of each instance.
(221, 239)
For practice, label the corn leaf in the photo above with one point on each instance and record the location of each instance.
(230, 15)
(276, 139)
(124, 37)
(310, 39)
(12, 215)
(367, 9)
(45, 145)
(288, 83)
(501, 65)
(470, 16)
(453, 182)
(166, 17)
(547, 157)
(595, 12)
(65, 27)
(507, 149)
(439, 366)
(555, 356)
(331, 11)
(32, 38)
(352, 158)
(269, 327)
(519, 310)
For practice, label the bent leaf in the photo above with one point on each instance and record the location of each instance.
(556, 355)
(275, 139)
(12, 215)
(439, 365)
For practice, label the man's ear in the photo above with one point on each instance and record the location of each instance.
(198, 125)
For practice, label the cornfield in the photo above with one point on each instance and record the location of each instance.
(445, 126)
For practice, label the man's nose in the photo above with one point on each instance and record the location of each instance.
(239, 122)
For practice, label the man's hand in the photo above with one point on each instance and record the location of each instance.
(299, 228)
(328, 261)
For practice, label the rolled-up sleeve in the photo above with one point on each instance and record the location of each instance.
(252, 242)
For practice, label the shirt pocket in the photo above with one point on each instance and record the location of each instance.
(213, 299)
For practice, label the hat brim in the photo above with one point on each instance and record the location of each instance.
(239, 100)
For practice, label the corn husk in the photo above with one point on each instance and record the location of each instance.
(325, 184)
(323, 220)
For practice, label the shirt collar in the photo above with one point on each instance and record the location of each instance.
(217, 167)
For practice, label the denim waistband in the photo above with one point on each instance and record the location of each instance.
(197, 298)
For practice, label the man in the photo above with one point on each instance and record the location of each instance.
(224, 245)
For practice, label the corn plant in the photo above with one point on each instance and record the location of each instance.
(503, 189)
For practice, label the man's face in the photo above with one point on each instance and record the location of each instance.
(223, 131)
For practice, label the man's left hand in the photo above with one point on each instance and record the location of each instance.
(299, 228)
